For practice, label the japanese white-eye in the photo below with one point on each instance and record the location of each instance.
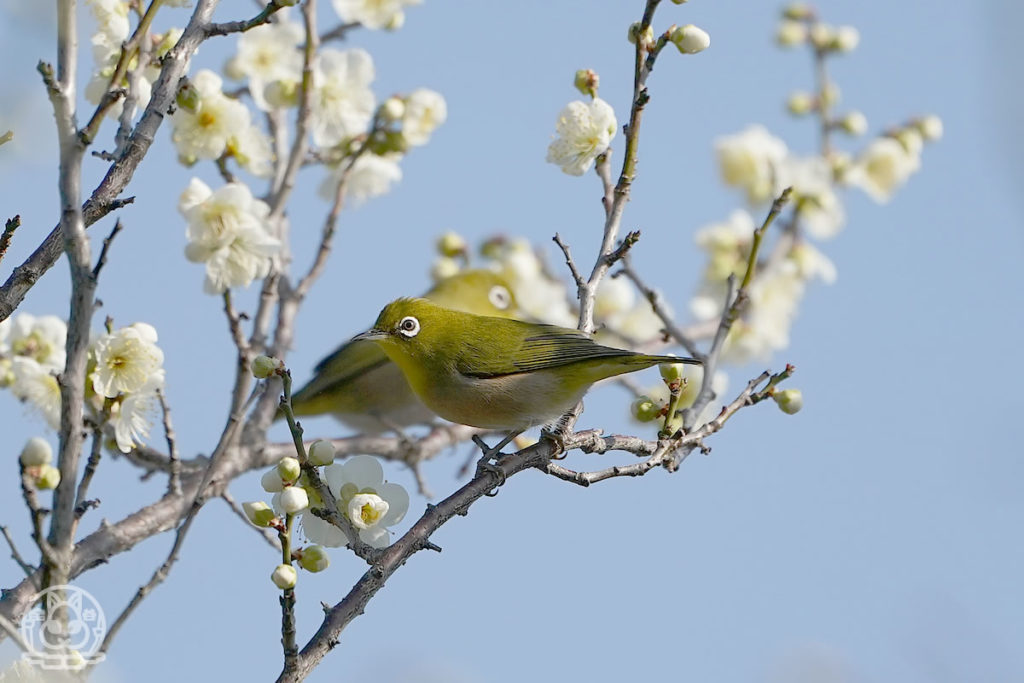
(496, 373)
(357, 383)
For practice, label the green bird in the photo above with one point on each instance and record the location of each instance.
(496, 373)
(362, 388)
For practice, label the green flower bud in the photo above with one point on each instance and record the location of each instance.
(264, 366)
(444, 268)
(284, 576)
(586, 81)
(797, 11)
(800, 103)
(259, 513)
(644, 409)
(451, 244)
(854, 123)
(188, 97)
(321, 452)
(790, 33)
(822, 36)
(289, 470)
(790, 401)
(314, 559)
(37, 451)
(671, 372)
(47, 478)
(634, 32)
(846, 39)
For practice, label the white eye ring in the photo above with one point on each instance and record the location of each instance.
(499, 297)
(409, 327)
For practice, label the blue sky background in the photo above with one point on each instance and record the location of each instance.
(874, 537)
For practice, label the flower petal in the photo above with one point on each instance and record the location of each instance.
(321, 531)
(398, 503)
(364, 471)
(376, 536)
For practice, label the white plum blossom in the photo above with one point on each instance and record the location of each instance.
(728, 247)
(111, 17)
(342, 103)
(228, 230)
(818, 206)
(425, 111)
(371, 176)
(374, 14)
(39, 338)
(268, 54)
(749, 160)
(132, 416)
(370, 503)
(218, 124)
(38, 387)
(883, 167)
(585, 130)
(615, 296)
(126, 361)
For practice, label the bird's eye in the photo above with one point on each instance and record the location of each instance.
(409, 327)
(499, 297)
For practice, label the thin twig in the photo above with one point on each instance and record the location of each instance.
(654, 299)
(102, 260)
(235, 325)
(93, 463)
(173, 459)
(264, 16)
(15, 555)
(339, 32)
(10, 226)
(576, 276)
(36, 514)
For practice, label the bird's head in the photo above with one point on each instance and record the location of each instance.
(478, 291)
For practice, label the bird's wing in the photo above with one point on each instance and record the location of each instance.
(546, 347)
(351, 359)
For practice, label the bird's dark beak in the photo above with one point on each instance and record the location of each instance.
(370, 335)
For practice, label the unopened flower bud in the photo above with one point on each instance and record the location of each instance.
(634, 32)
(822, 36)
(586, 81)
(671, 372)
(444, 268)
(289, 470)
(321, 452)
(797, 11)
(930, 127)
(265, 366)
(854, 123)
(272, 482)
(259, 513)
(48, 477)
(791, 33)
(294, 499)
(396, 21)
(285, 576)
(393, 108)
(911, 139)
(314, 559)
(451, 244)
(800, 103)
(188, 97)
(37, 451)
(690, 39)
(846, 39)
(790, 400)
(644, 409)
(679, 2)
